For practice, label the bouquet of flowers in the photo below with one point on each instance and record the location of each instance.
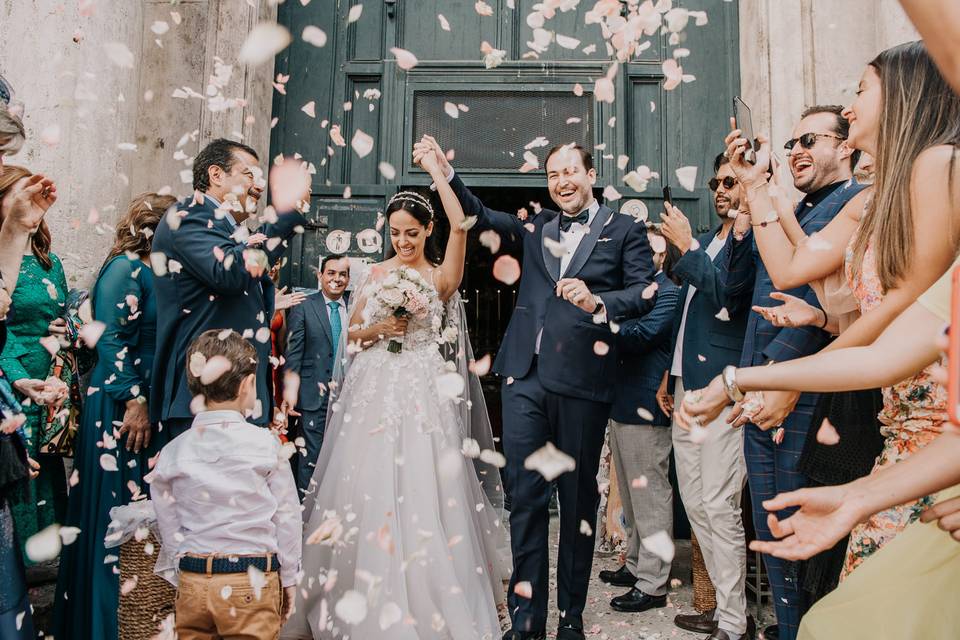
(407, 295)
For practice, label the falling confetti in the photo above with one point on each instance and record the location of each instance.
(44, 545)
(827, 433)
(660, 545)
(549, 462)
(362, 143)
(314, 35)
(264, 41)
(491, 240)
(687, 177)
(405, 59)
(355, 12)
(506, 269)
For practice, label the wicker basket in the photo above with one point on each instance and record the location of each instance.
(704, 595)
(151, 600)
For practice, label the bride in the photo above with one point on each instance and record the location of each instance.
(402, 540)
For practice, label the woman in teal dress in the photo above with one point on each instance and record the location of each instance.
(38, 300)
(88, 588)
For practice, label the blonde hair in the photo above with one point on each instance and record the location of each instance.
(919, 110)
(12, 133)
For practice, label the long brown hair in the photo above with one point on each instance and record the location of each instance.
(40, 239)
(919, 110)
(135, 229)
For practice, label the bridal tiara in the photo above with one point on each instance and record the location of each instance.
(416, 197)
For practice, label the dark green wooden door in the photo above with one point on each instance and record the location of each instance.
(354, 87)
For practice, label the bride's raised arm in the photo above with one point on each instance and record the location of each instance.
(451, 269)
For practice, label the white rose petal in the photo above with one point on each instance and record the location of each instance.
(495, 458)
(390, 614)
(355, 12)
(659, 544)
(362, 143)
(44, 545)
(549, 462)
(352, 607)
(264, 41)
(687, 177)
(119, 54)
(314, 35)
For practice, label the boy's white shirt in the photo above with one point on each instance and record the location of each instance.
(225, 487)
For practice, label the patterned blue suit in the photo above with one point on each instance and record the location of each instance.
(771, 468)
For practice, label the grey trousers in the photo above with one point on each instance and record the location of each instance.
(711, 474)
(644, 450)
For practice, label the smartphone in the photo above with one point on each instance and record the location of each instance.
(953, 352)
(745, 123)
(668, 195)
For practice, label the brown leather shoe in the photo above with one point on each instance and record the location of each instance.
(697, 623)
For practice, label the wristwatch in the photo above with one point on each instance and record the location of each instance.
(729, 377)
(599, 306)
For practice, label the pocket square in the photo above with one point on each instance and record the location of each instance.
(604, 239)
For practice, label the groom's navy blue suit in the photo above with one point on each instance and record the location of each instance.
(562, 394)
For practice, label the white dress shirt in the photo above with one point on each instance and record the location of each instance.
(223, 487)
(676, 369)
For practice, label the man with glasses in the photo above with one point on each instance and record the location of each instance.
(707, 336)
(776, 423)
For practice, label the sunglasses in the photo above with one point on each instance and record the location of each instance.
(727, 183)
(807, 140)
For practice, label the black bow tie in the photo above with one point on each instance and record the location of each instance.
(566, 221)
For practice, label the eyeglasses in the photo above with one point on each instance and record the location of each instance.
(807, 140)
(727, 183)
(6, 91)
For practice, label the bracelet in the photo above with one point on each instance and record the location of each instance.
(729, 378)
(826, 320)
(775, 218)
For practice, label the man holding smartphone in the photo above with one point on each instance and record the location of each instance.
(708, 335)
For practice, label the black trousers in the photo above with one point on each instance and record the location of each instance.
(532, 417)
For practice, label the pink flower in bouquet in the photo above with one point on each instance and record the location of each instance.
(417, 304)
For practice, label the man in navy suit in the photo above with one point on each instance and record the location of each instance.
(822, 167)
(315, 331)
(640, 445)
(213, 279)
(583, 268)
(708, 335)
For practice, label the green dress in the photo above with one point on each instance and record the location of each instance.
(88, 587)
(39, 298)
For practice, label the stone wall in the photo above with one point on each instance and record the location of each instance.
(796, 53)
(55, 53)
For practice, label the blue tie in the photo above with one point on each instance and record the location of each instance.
(335, 326)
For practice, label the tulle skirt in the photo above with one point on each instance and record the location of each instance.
(400, 540)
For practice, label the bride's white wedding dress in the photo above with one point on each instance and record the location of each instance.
(401, 539)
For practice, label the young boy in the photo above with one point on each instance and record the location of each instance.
(227, 504)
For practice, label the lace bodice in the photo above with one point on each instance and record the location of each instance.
(425, 325)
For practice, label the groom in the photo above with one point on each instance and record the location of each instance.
(584, 269)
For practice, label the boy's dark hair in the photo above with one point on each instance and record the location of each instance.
(841, 128)
(223, 343)
(585, 155)
(218, 153)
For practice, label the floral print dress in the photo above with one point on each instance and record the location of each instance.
(913, 415)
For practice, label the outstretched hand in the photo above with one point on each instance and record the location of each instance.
(825, 516)
(794, 312)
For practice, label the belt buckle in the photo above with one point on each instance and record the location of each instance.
(209, 565)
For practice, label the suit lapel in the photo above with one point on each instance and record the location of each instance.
(588, 242)
(320, 308)
(551, 229)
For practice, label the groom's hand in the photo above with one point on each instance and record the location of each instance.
(575, 291)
